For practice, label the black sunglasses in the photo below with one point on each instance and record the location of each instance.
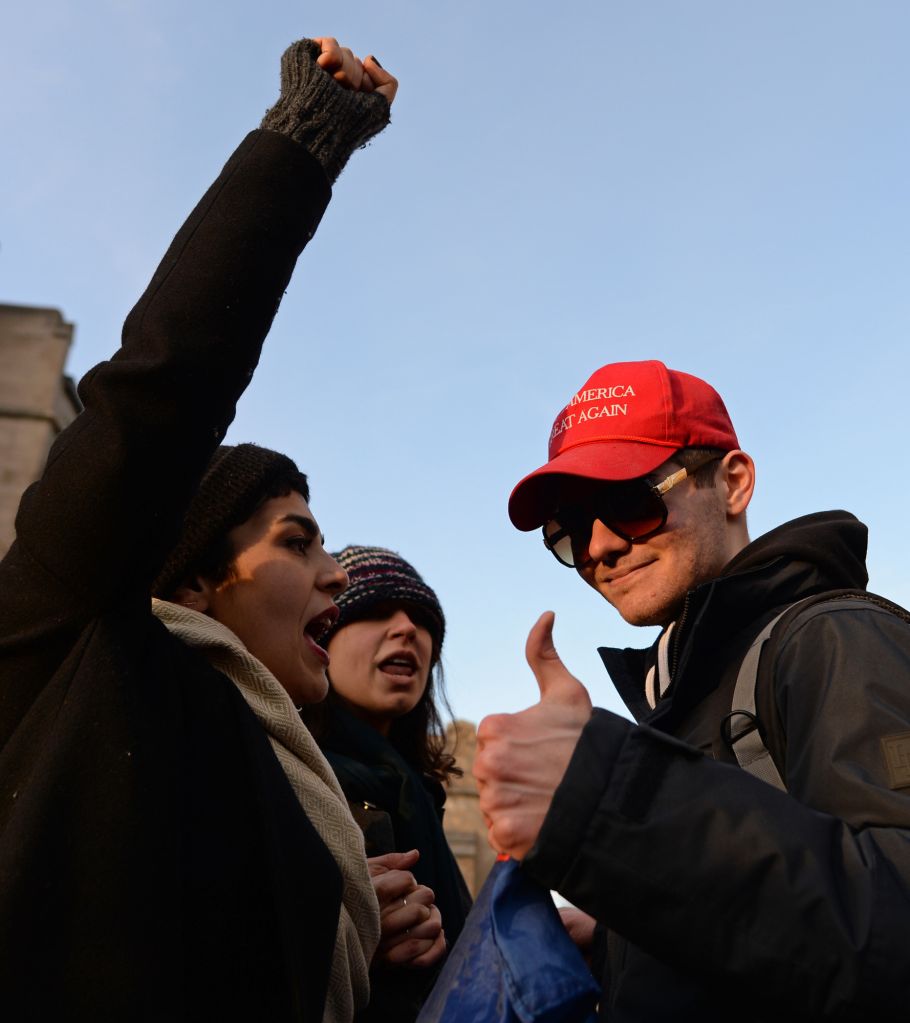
(633, 510)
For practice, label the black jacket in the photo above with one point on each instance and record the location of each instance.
(371, 771)
(154, 861)
(735, 900)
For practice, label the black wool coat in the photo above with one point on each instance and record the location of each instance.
(154, 861)
(724, 897)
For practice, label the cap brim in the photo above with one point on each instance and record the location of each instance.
(534, 499)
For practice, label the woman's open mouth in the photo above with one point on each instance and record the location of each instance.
(317, 628)
(401, 665)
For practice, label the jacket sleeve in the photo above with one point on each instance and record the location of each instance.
(96, 527)
(800, 898)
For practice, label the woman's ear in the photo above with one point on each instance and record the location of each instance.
(193, 593)
(739, 479)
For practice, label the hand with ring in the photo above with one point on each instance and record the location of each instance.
(410, 924)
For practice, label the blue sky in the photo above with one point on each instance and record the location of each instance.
(716, 184)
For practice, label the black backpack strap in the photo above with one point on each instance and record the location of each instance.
(748, 733)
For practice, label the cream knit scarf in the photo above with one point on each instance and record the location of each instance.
(317, 789)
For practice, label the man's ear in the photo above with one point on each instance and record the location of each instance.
(738, 475)
(194, 593)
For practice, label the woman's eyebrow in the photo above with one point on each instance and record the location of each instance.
(307, 525)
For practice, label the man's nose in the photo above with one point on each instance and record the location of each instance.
(604, 542)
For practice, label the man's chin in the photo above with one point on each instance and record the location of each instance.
(641, 615)
(646, 620)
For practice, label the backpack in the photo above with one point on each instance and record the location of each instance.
(758, 749)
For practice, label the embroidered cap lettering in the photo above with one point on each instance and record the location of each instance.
(626, 420)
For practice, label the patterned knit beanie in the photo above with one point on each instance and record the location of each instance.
(377, 575)
(236, 482)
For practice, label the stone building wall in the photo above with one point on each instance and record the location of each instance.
(464, 826)
(36, 400)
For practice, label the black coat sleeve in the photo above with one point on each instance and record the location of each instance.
(799, 898)
(93, 531)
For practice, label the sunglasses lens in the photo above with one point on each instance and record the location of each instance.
(559, 540)
(633, 511)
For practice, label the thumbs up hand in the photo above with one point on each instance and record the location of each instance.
(556, 684)
(522, 757)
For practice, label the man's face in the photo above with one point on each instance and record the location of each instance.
(278, 598)
(647, 580)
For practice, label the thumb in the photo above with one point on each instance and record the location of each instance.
(386, 84)
(557, 684)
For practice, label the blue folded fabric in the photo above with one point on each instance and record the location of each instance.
(514, 961)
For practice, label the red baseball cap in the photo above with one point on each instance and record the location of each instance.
(624, 422)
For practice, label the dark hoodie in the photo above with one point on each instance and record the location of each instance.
(732, 897)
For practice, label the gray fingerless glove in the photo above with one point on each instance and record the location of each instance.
(324, 117)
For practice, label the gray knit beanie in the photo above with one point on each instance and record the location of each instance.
(377, 575)
(236, 482)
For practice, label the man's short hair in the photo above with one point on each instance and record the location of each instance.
(705, 475)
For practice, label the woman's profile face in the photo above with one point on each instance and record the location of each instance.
(380, 665)
(278, 596)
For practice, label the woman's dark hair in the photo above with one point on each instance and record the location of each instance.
(216, 561)
(238, 481)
